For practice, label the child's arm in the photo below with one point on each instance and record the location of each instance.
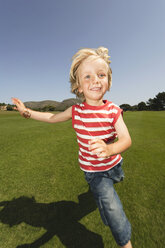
(102, 149)
(40, 116)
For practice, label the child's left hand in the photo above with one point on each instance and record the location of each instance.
(100, 148)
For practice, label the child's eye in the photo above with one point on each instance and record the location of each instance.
(87, 76)
(101, 75)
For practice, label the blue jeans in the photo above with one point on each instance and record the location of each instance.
(108, 202)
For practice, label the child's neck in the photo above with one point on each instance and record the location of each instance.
(95, 102)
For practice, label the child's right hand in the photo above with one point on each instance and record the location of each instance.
(19, 105)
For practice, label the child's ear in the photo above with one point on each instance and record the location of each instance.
(80, 89)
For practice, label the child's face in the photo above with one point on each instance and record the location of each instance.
(93, 79)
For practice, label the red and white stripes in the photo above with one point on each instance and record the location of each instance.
(95, 122)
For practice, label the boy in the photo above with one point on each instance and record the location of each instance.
(97, 124)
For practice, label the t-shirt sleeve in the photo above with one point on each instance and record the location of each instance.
(116, 112)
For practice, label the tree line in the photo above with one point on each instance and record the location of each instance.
(155, 104)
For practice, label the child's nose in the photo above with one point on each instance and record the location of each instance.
(95, 79)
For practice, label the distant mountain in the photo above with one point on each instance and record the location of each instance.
(66, 104)
(41, 104)
(59, 106)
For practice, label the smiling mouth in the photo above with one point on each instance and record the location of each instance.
(95, 89)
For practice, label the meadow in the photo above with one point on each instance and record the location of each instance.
(44, 198)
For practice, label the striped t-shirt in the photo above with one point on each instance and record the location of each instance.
(95, 122)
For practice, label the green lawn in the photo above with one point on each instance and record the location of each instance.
(44, 199)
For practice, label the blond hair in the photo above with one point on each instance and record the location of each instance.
(78, 58)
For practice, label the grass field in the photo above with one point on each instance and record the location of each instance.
(44, 199)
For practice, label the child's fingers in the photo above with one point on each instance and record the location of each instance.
(94, 141)
(97, 151)
(102, 155)
(13, 100)
(100, 152)
(98, 147)
(16, 100)
(19, 104)
(94, 146)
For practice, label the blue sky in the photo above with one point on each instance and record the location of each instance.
(39, 37)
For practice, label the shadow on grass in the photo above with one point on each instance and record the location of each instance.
(57, 218)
